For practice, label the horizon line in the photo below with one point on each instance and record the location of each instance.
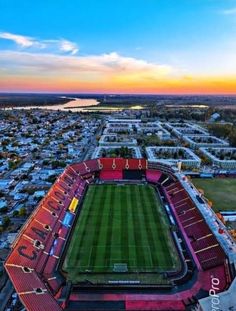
(115, 94)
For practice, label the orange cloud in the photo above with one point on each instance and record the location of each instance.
(111, 73)
(198, 85)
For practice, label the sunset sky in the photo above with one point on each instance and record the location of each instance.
(125, 46)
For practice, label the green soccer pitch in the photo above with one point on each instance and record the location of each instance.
(221, 191)
(121, 228)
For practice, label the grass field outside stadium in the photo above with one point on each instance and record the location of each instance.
(121, 228)
(220, 191)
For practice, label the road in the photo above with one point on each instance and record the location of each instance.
(5, 295)
(92, 144)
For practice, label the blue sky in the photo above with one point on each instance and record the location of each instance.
(125, 25)
(195, 37)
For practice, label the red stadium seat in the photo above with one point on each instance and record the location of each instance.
(24, 281)
(39, 301)
(153, 175)
(203, 242)
(110, 164)
(111, 175)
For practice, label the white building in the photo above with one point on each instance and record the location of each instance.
(121, 129)
(198, 141)
(124, 121)
(180, 132)
(186, 129)
(178, 125)
(98, 153)
(115, 140)
(153, 128)
(166, 154)
(223, 157)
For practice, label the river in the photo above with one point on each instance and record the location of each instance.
(74, 104)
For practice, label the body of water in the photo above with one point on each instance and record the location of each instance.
(74, 104)
(78, 105)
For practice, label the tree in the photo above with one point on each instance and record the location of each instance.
(6, 222)
(4, 209)
(13, 164)
(5, 142)
(52, 178)
(232, 138)
(221, 130)
(15, 213)
(56, 164)
(22, 212)
(45, 162)
(205, 160)
(30, 191)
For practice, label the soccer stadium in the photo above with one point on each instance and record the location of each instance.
(123, 234)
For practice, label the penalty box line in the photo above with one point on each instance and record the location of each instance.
(117, 260)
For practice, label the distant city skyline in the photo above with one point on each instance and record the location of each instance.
(127, 47)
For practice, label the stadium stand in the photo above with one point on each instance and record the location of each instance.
(73, 205)
(135, 164)
(111, 164)
(111, 175)
(153, 176)
(67, 221)
(33, 262)
(92, 166)
(134, 174)
(203, 242)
